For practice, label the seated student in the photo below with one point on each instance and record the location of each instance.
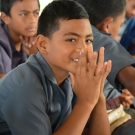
(18, 24)
(130, 12)
(108, 20)
(111, 24)
(36, 98)
(122, 72)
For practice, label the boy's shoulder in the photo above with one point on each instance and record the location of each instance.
(104, 39)
(99, 35)
(34, 70)
(4, 39)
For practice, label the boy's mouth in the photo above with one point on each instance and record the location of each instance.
(31, 29)
(75, 60)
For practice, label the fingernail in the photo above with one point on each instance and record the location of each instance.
(82, 51)
(105, 63)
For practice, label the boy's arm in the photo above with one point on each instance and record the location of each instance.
(99, 118)
(83, 109)
(126, 76)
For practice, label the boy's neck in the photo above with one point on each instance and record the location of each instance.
(16, 40)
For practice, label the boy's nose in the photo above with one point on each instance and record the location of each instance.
(32, 18)
(82, 44)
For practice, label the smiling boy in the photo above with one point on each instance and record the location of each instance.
(18, 20)
(40, 100)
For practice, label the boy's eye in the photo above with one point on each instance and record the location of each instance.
(89, 41)
(71, 40)
(36, 13)
(23, 14)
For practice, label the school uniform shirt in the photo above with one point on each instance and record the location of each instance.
(9, 56)
(31, 102)
(110, 92)
(113, 51)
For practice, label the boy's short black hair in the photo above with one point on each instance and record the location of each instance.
(56, 11)
(6, 5)
(98, 10)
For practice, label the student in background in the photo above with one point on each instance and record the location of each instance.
(123, 64)
(111, 25)
(107, 22)
(130, 13)
(18, 27)
(45, 103)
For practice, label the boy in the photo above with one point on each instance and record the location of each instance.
(45, 104)
(122, 71)
(130, 12)
(108, 20)
(110, 23)
(18, 25)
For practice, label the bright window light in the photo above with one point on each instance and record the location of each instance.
(43, 3)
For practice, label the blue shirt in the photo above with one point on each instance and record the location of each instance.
(123, 27)
(113, 51)
(31, 102)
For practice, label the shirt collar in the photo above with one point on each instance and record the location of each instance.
(46, 68)
(94, 29)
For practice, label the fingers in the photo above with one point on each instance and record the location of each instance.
(126, 98)
(103, 73)
(28, 41)
(108, 69)
(32, 41)
(92, 61)
(82, 63)
(100, 60)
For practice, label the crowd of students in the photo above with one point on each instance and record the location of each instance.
(59, 69)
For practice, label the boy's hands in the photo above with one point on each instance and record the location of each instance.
(126, 98)
(90, 75)
(29, 45)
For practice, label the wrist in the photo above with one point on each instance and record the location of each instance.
(85, 104)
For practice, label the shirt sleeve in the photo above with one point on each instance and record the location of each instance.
(110, 92)
(5, 61)
(24, 106)
(1, 62)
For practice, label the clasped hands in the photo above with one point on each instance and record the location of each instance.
(91, 72)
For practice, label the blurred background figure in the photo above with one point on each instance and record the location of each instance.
(130, 12)
(127, 30)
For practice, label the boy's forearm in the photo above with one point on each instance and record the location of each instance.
(99, 124)
(77, 120)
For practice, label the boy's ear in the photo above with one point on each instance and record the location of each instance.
(42, 43)
(105, 24)
(5, 18)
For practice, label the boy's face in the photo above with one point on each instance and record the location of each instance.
(130, 8)
(62, 49)
(24, 18)
(115, 25)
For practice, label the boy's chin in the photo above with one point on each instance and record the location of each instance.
(29, 34)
